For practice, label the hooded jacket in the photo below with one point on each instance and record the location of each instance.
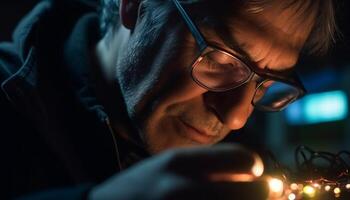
(55, 135)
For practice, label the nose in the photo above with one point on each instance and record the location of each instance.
(232, 107)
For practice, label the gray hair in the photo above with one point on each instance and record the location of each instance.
(322, 37)
(109, 14)
(325, 30)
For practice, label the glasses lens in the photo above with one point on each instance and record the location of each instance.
(220, 71)
(274, 95)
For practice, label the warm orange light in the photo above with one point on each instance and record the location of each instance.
(258, 167)
(347, 186)
(294, 186)
(316, 185)
(276, 187)
(256, 171)
(230, 177)
(300, 186)
(291, 196)
(309, 191)
(336, 190)
(327, 188)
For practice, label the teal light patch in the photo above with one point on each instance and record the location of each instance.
(318, 108)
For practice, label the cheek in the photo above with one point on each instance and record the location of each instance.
(158, 124)
(177, 88)
(139, 70)
(154, 75)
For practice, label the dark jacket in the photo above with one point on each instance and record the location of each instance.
(55, 137)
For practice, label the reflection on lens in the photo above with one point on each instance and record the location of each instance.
(276, 96)
(219, 71)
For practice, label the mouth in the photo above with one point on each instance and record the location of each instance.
(196, 135)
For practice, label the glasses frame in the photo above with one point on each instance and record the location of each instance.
(291, 79)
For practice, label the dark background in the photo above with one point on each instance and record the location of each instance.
(10, 13)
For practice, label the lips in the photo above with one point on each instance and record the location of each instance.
(196, 134)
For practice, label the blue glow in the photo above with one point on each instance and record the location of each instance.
(318, 108)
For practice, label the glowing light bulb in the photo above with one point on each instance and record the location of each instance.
(276, 187)
(316, 185)
(291, 196)
(309, 191)
(347, 186)
(327, 188)
(336, 190)
(294, 186)
(300, 186)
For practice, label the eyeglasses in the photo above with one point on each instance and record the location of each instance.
(218, 70)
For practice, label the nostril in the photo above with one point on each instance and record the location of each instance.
(232, 108)
(212, 109)
(233, 120)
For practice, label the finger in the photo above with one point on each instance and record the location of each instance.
(213, 191)
(244, 190)
(224, 159)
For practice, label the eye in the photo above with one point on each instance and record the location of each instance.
(232, 66)
(214, 66)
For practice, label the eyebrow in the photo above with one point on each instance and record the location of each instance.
(223, 30)
(229, 41)
(227, 38)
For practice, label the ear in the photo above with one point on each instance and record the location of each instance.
(128, 10)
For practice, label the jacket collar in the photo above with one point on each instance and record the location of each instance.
(78, 58)
(33, 88)
(23, 87)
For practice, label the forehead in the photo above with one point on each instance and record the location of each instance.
(271, 34)
(289, 17)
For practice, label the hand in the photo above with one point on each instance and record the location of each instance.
(188, 173)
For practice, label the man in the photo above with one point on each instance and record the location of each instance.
(78, 106)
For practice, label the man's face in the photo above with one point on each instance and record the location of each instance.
(169, 108)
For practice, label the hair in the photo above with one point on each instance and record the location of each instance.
(321, 38)
(109, 15)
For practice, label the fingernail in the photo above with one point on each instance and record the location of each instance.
(258, 167)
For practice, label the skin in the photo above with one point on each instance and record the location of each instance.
(163, 102)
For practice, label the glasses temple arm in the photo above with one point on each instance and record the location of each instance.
(195, 32)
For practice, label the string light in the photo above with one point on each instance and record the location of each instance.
(300, 186)
(292, 196)
(316, 185)
(312, 190)
(309, 191)
(336, 190)
(294, 186)
(276, 187)
(305, 187)
(327, 188)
